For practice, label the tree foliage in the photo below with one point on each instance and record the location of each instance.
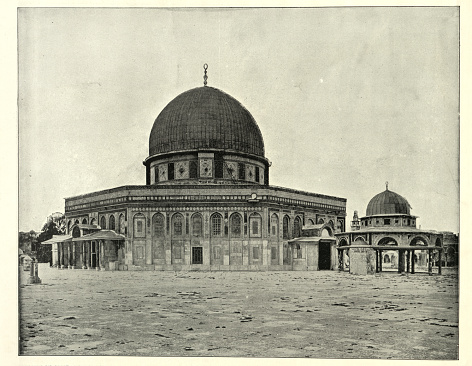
(55, 225)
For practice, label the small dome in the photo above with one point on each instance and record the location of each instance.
(202, 118)
(388, 202)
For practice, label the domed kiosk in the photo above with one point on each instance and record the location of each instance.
(387, 239)
(206, 205)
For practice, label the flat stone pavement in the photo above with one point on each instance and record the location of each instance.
(324, 314)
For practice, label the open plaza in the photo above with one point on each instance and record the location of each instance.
(316, 314)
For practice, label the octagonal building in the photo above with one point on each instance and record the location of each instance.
(206, 205)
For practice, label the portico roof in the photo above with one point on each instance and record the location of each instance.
(57, 239)
(101, 235)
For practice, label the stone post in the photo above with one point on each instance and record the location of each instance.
(413, 261)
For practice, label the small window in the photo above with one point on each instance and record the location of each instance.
(257, 174)
(193, 169)
(386, 221)
(377, 222)
(255, 226)
(139, 226)
(273, 253)
(171, 171)
(408, 222)
(216, 225)
(396, 222)
(241, 171)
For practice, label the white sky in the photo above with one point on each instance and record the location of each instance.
(346, 98)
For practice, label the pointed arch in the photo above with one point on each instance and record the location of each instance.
(274, 225)
(297, 227)
(111, 222)
(177, 224)
(103, 222)
(286, 227)
(158, 225)
(235, 225)
(197, 224)
(216, 224)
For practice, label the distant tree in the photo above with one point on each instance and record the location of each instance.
(27, 241)
(55, 225)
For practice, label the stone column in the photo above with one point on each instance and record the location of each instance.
(340, 259)
(408, 254)
(412, 261)
(430, 263)
(59, 255)
(88, 246)
(73, 255)
(440, 261)
(98, 256)
(377, 261)
(102, 254)
(84, 258)
(381, 261)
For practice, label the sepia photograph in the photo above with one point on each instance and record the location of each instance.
(238, 182)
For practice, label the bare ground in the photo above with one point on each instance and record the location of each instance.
(246, 314)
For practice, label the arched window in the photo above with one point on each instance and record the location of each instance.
(216, 224)
(274, 225)
(388, 241)
(122, 225)
(103, 222)
(111, 223)
(286, 226)
(320, 221)
(197, 225)
(235, 223)
(177, 224)
(139, 226)
(331, 223)
(84, 221)
(297, 229)
(158, 225)
(76, 222)
(68, 226)
(93, 222)
(75, 232)
(255, 222)
(311, 222)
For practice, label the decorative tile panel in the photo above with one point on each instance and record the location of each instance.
(250, 173)
(162, 172)
(206, 168)
(181, 170)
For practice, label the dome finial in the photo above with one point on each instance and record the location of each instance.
(386, 186)
(205, 77)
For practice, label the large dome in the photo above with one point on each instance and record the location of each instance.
(388, 202)
(205, 118)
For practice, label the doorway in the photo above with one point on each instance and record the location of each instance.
(324, 259)
(197, 255)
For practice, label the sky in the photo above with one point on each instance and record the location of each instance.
(346, 98)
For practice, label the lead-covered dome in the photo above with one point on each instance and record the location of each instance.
(388, 202)
(205, 118)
